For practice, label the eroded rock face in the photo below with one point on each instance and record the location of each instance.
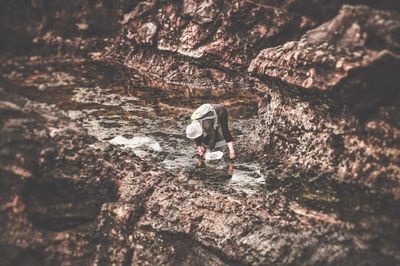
(325, 56)
(323, 10)
(348, 149)
(352, 58)
(75, 203)
(331, 113)
(48, 186)
(221, 33)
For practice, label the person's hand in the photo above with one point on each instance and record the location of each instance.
(232, 154)
(201, 150)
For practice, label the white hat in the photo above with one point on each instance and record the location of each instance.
(194, 130)
(201, 111)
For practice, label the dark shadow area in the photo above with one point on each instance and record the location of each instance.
(62, 204)
(12, 255)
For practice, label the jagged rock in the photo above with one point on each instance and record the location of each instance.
(65, 201)
(49, 182)
(348, 149)
(225, 34)
(145, 33)
(23, 21)
(234, 226)
(203, 12)
(323, 10)
(74, 203)
(325, 57)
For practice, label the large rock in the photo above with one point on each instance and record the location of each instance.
(64, 201)
(325, 57)
(260, 229)
(220, 33)
(310, 137)
(71, 203)
(353, 59)
(323, 10)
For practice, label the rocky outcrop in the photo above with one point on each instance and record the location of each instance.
(353, 59)
(226, 34)
(324, 57)
(48, 185)
(68, 199)
(324, 10)
(348, 149)
(24, 22)
(326, 135)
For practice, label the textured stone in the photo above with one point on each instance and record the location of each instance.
(226, 34)
(348, 149)
(325, 57)
(326, 135)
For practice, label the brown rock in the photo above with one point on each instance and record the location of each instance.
(145, 34)
(202, 12)
(338, 47)
(64, 201)
(225, 34)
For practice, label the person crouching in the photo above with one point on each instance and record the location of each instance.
(209, 129)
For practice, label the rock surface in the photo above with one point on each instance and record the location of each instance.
(357, 38)
(68, 199)
(347, 149)
(353, 58)
(326, 135)
(226, 34)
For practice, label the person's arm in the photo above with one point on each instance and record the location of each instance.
(211, 133)
(227, 134)
(231, 150)
(223, 120)
(201, 150)
(198, 141)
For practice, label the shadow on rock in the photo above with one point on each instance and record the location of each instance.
(12, 255)
(62, 204)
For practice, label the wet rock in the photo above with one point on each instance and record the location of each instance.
(233, 225)
(103, 205)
